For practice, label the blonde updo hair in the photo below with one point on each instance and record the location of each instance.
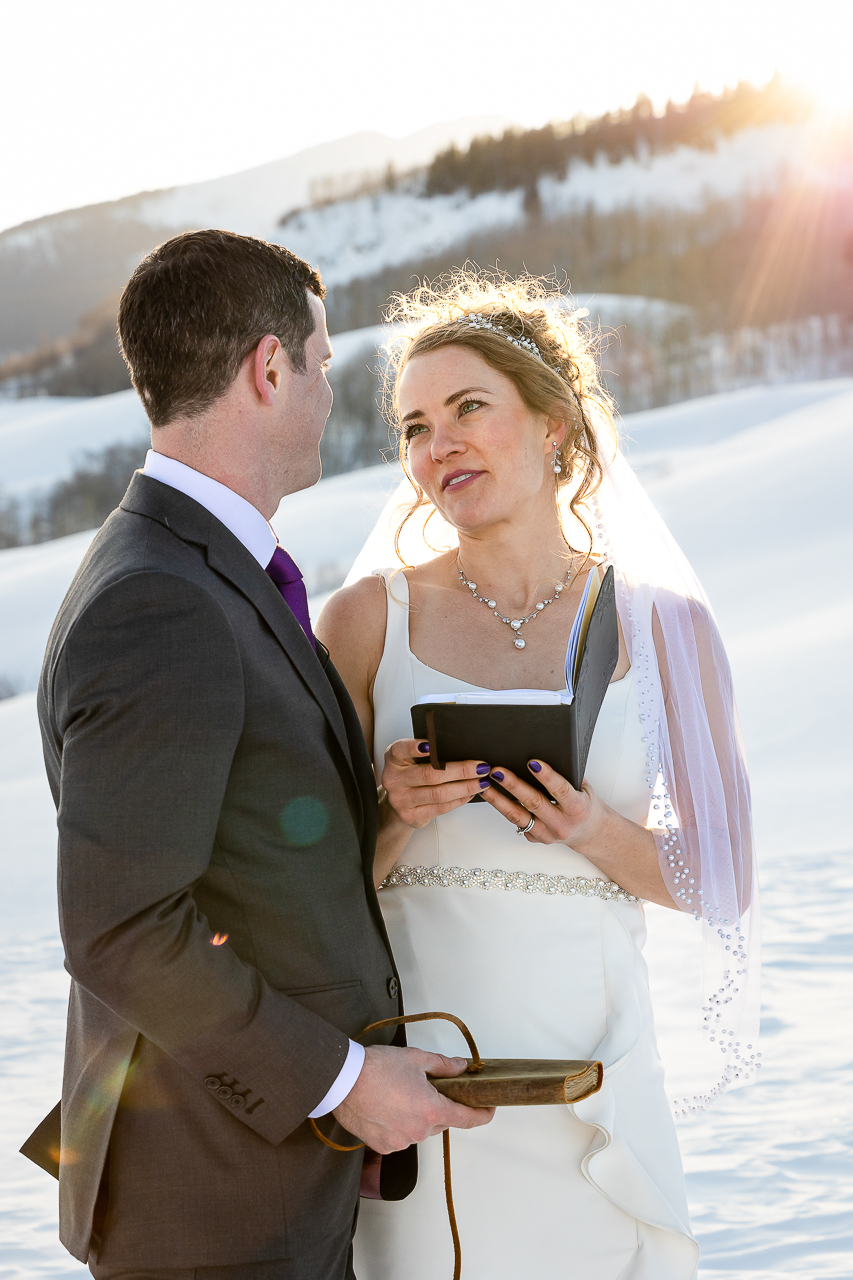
(565, 384)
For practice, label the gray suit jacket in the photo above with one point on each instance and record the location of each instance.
(211, 783)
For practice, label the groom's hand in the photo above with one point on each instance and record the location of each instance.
(392, 1104)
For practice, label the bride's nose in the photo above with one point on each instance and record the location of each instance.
(446, 442)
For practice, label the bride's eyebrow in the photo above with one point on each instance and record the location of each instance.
(457, 395)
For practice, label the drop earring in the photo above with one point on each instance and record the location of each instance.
(557, 464)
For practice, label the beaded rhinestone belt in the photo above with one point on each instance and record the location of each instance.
(527, 882)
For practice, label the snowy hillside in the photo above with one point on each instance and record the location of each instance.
(359, 237)
(252, 202)
(756, 488)
(42, 439)
(323, 528)
(691, 204)
(54, 269)
(353, 238)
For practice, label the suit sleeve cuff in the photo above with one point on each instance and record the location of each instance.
(347, 1077)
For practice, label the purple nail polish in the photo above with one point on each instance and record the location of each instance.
(535, 766)
(485, 782)
(497, 775)
(424, 747)
(482, 768)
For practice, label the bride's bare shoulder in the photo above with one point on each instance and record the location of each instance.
(356, 616)
(352, 621)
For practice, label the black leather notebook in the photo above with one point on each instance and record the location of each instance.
(559, 734)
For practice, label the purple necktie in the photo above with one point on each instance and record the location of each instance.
(288, 578)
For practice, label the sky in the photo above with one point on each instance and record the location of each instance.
(101, 99)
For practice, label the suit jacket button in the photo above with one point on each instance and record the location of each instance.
(213, 1082)
(237, 1101)
(224, 1092)
(393, 988)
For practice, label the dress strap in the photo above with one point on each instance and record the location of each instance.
(397, 624)
(394, 683)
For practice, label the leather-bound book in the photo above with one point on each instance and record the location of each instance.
(511, 726)
(507, 1082)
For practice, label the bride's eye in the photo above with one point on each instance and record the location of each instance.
(413, 428)
(467, 405)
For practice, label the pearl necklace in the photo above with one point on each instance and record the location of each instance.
(516, 623)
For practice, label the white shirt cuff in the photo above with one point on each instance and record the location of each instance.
(347, 1077)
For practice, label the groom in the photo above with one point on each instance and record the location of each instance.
(217, 819)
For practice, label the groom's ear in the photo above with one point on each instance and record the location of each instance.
(270, 363)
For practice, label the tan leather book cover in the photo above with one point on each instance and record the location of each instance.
(523, 1082)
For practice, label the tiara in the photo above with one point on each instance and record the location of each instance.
(476, 320)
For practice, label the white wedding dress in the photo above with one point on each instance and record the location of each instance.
(542, 958)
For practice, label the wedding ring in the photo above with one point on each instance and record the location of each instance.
(522, 831)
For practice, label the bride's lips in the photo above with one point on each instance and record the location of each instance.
(453, 480)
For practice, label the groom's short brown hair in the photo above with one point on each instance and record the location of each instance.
(197, 305)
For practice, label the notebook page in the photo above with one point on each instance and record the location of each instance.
(502, 697)
(575, 641)
(594, 586)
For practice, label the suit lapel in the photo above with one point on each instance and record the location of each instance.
(227, 556)
(244, 572)
(362, 764)
(363, 768)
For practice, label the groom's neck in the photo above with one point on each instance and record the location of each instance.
(195, 448)
(231, 447)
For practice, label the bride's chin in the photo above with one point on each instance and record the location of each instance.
(468, 514)
(472, 524)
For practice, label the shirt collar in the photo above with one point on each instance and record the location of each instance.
(239, 516)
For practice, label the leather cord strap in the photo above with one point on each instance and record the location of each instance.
(336, 1146)
(451, 1212)
(475, 1065)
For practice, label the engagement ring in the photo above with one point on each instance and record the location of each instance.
(522, 831)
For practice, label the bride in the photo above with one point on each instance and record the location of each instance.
(521, 916)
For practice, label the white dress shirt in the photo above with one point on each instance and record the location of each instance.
(256, 534)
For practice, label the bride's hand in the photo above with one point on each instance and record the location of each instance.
(417, 793)
(574, 818)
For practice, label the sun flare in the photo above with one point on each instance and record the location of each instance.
(828, 80)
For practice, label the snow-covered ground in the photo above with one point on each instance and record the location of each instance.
(755, 485)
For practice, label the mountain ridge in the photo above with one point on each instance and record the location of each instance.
(55, 269)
